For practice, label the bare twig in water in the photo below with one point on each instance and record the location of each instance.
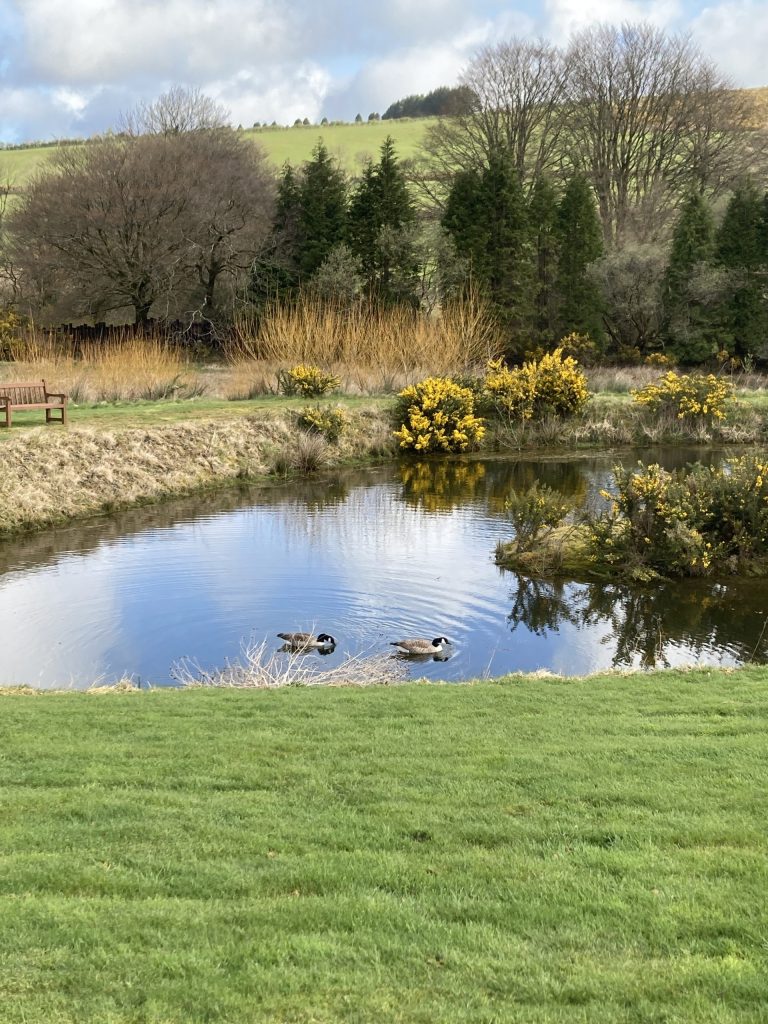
(260, 668)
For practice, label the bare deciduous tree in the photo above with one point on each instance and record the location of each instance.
(9, 283)
(648, 119)
(630, 283)
(231, 208)
(145, 222)
(175, 112)
(519, 87)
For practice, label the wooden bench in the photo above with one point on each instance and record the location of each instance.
(32, 396)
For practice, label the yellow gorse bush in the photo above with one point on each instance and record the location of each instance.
(687, 395)
(307, 380)
(694, 521)
(659, 359)
(330, 421)
(551, 385)
(511, 390)
(437, 415)
(11, 325)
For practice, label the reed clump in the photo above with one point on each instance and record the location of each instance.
(372, 347)
(127, 368)
(261, 668)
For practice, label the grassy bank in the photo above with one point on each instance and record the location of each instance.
(51, 474)
(532, 850)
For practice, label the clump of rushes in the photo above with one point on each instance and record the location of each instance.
(687, 396)
(330, 421)
(550, 386)
(307, 380)
(437, 415)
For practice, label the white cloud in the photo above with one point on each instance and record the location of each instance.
(281, 94)
(72, 68)
(419, 69)
(736, 34)
(567, 16)
(91, 41)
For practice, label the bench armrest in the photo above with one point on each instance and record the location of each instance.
(5, 400)
(55, 394)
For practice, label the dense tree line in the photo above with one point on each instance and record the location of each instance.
(445, 101)
(613, 189)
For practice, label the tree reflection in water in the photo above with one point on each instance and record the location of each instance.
(442, 485)
(646, 623)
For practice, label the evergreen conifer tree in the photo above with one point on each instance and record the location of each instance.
(740, 249)
(382, 220)
(581, 243)
(509, 255)
(466, 220)
(542, 214)
(689, 320)
(322, 210)
(276, 272)
(488, 221)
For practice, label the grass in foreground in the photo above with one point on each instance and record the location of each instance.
(529, 850)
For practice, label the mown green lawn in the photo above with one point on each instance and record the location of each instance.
(145, 414)
(529, 850)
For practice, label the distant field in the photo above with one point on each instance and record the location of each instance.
(350, 143)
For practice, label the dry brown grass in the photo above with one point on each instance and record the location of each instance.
(371, 349)
(128, 369)
(260, 667)
(47, 477)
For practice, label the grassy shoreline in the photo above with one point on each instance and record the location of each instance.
(127, 454)
(532, 850)
(51, 476)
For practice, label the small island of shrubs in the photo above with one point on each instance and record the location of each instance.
(697, 521)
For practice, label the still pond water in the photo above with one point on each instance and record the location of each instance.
(368, 556)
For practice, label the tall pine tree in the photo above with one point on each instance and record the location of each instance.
(581, 243)
(322, 210)
(487, 218)
(276, 272)
(542, 214)
(689, 321)
(740, 249)
(382, 219)
(466, 220)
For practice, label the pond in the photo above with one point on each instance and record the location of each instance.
(368, 556)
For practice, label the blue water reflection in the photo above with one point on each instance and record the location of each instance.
(369, 556)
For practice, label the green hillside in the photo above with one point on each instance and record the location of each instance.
(350, 143)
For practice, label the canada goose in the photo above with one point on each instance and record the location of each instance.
(304, 640)
(420, 646)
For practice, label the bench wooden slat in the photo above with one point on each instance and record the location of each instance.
(32, 395)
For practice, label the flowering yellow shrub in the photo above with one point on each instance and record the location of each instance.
(306, 380)
(659, 359)
(10, 327)
(687, 395)
(552, 385)
(511, 390)
(438, 415)
(330, 421)
(580, 346)
(690, 522)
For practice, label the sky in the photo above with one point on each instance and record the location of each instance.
(70, 68)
